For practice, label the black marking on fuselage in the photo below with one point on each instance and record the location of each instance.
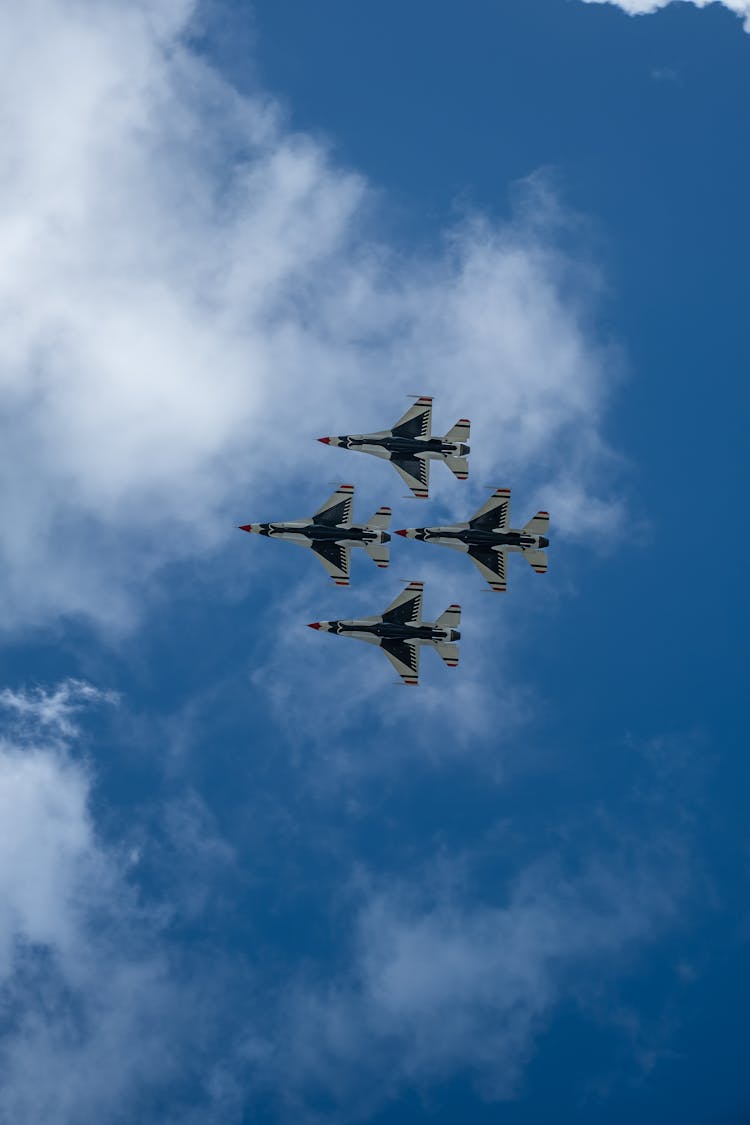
(321, 533)
(478, 537)
(391, 630)
(402, 446)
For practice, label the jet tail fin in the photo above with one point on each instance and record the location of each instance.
(448, 653)
(378, 552)
(537, 559)
(451, 618)
(460, 432)
(459, 466)
(538, 524)
(381, 520)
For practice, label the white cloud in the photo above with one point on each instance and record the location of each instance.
(53, 711)
(46, 834)
(95, 1013)
(191, 293)
(646, 7)
(440, 987)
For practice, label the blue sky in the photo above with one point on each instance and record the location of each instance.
(243, 878)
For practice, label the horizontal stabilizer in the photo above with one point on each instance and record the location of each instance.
(460, 431)
(448, 653)
(539, 525)
(378, 553)
(537, 559)
(459, 466)
(381, 520)
(451, 619)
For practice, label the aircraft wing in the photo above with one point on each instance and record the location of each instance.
(417, 422)
(491, 564)
(495, 514)
(335, 559)
(407, 608)
(337, 508)
(404, 656)
(416, 472)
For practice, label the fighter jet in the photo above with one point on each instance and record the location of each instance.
(487, 538)
(400, 632)
(331, 534)
(410, 446)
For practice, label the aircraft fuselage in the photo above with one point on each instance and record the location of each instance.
(388, 445)
(423, 633)
(510, 540)
(305, 531)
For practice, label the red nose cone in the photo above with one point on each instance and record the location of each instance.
(402, 532)
(245, 527)
(314, 625)
(325, 440)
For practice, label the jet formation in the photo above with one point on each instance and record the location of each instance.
(486, 537)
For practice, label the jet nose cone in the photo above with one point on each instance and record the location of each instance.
(314, 625)
(245, 527)
(325, 440)
(402, 532)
